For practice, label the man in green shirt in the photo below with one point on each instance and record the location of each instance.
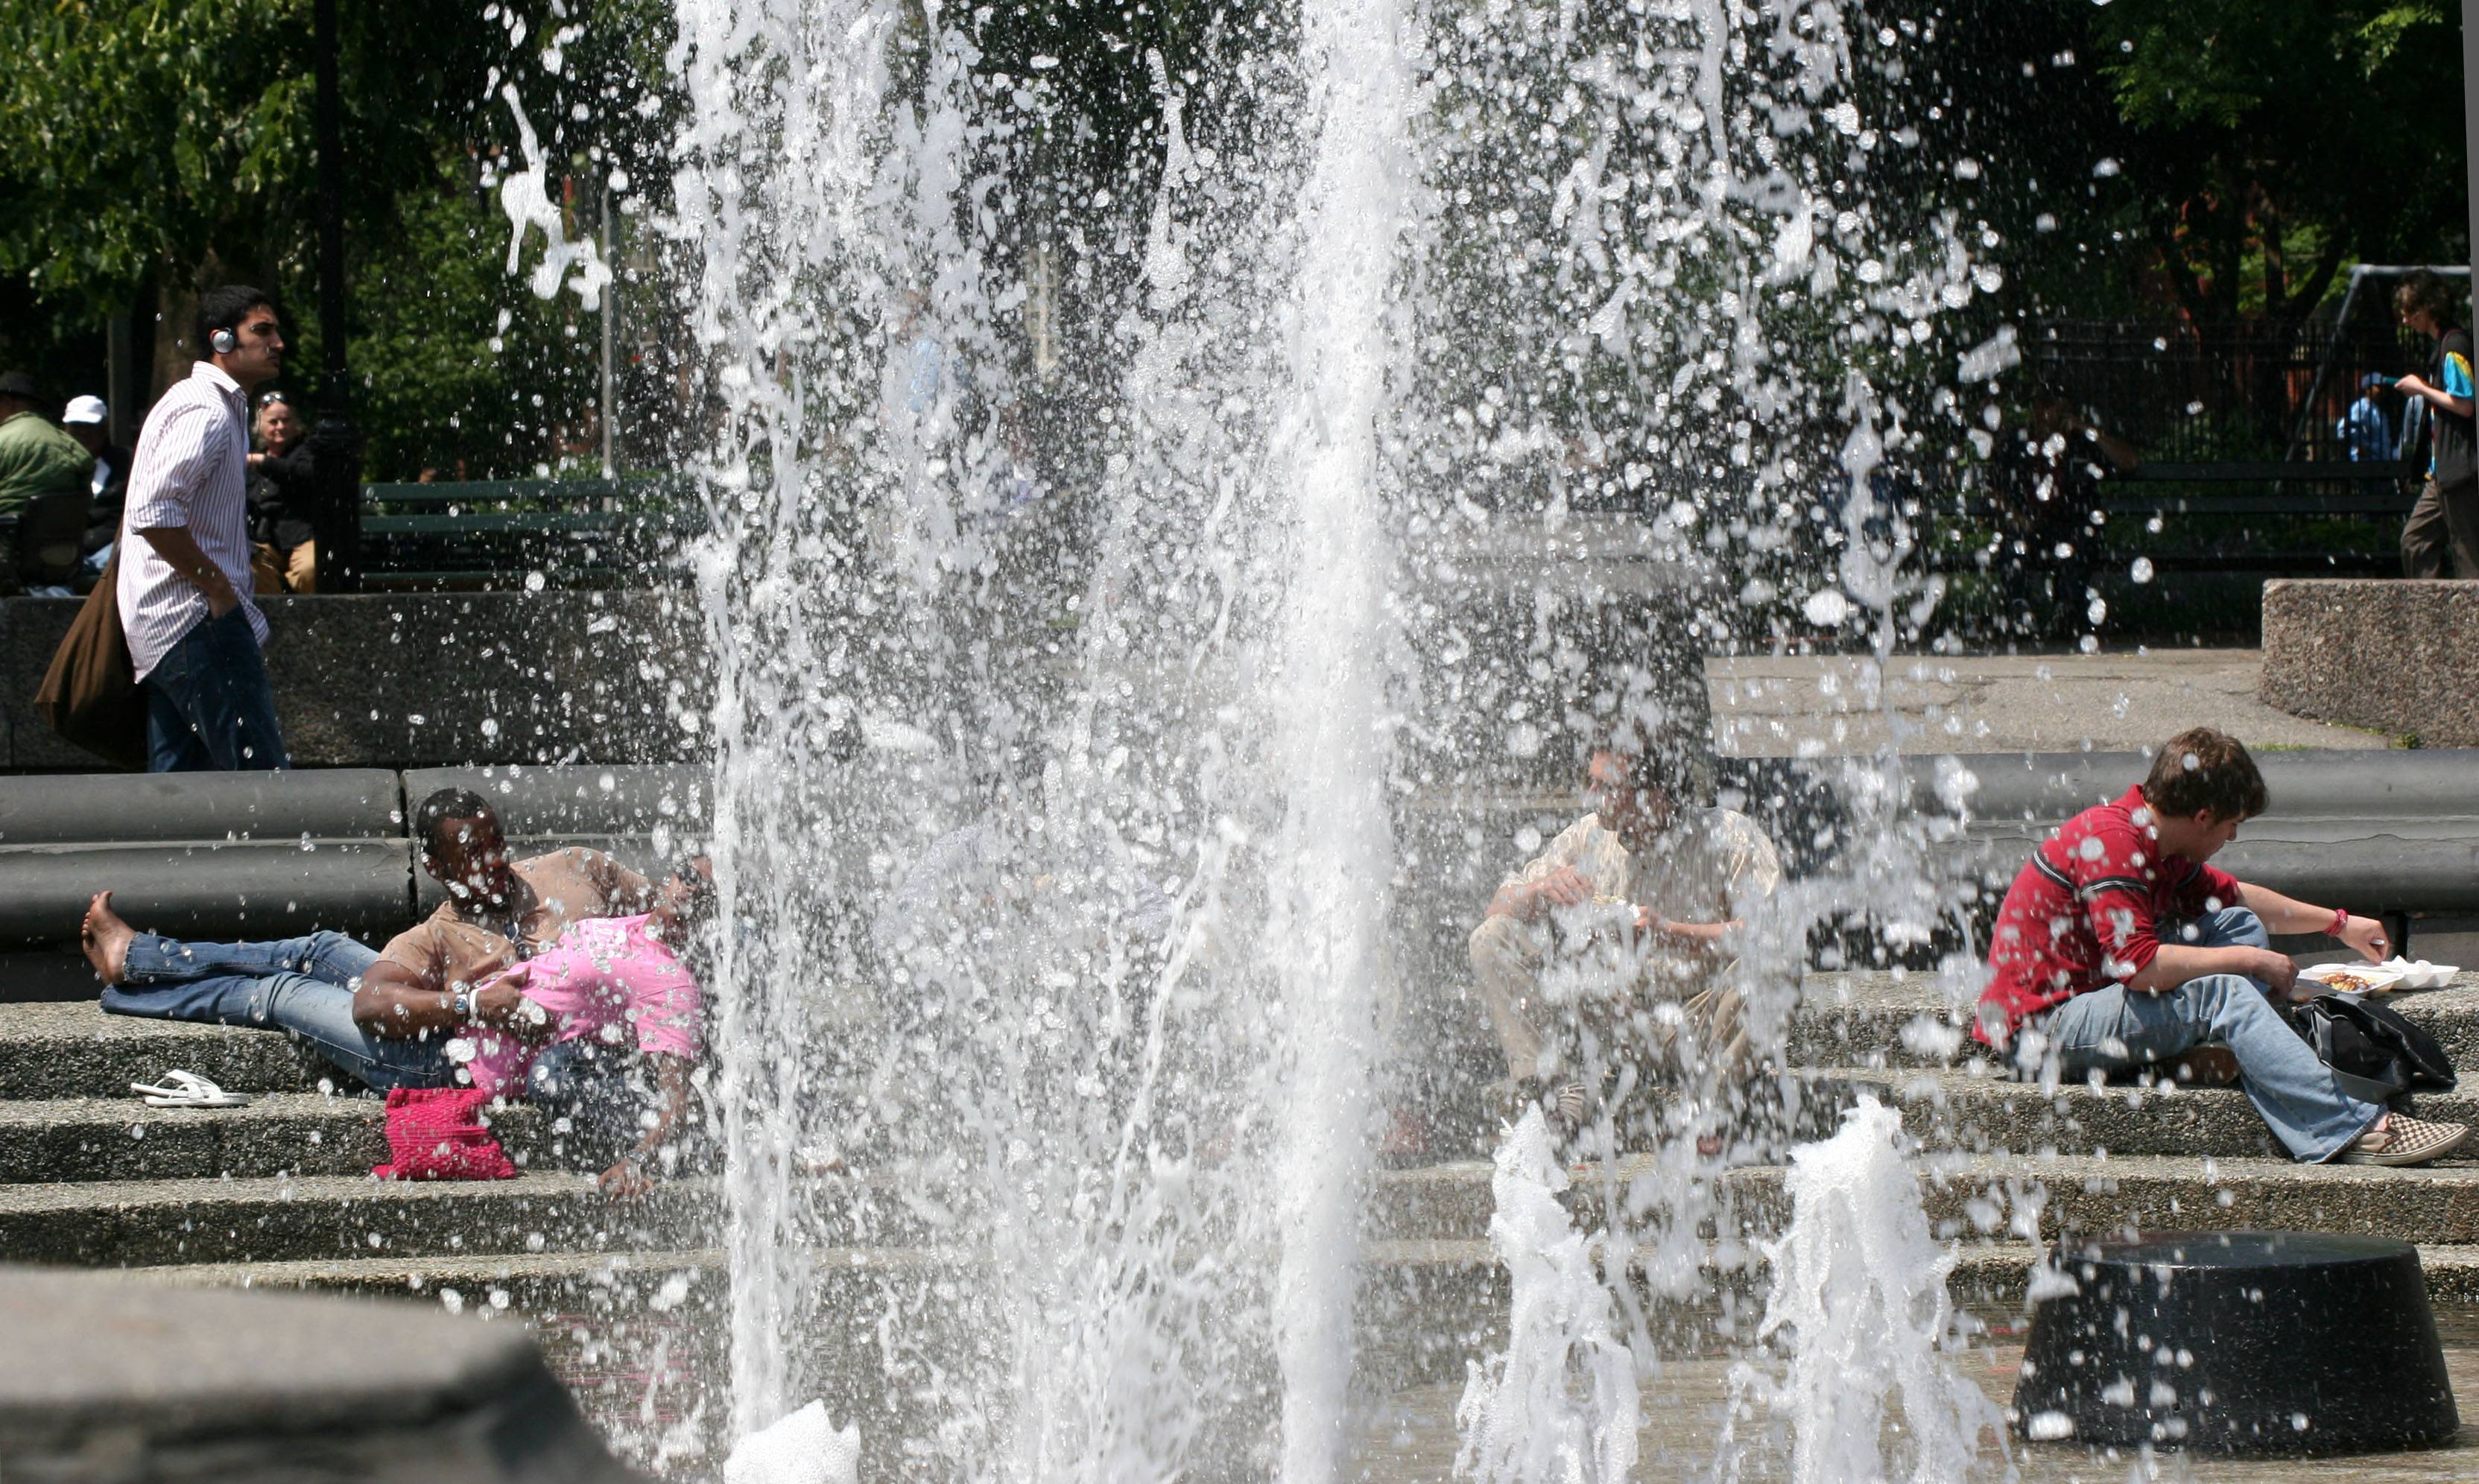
(36, 458)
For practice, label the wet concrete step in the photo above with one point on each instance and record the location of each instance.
(2002, 1197)
(1979, 1113)
(2005, 1197)
(74, 1140)
(1425, 1310)
(65, 1050)
(1863, 1020)
(1893, 1020)
(154, 1223)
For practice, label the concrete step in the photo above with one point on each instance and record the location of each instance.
(1999, 1196)
(81, 1139)
(1891, 1020)
(2013, 1197)
(154, 1223)
(1981, 1112)
(75, 1050)
(1865, 1020)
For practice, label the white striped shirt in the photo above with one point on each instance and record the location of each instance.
(190, 469)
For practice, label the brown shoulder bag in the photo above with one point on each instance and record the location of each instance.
(90, 695)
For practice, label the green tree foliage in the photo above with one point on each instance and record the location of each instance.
(2282, 139)
(149, 147)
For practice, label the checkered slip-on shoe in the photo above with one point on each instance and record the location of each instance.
(2405, 1140)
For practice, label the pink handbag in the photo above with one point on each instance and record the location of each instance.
(437, 1134)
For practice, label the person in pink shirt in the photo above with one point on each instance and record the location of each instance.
(601, 1026)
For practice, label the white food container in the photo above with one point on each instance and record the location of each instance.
(2373, 978)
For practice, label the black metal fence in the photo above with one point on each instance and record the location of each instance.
(2238, 393)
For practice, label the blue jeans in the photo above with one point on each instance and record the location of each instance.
(209, 705)
(2114, 1026)
(301, 986)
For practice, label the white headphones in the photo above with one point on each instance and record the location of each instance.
(224, 342)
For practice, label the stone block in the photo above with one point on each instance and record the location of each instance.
(105, 1378)
(2394, 657)
(435, 679)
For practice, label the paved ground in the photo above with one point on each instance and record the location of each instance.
(1411, 1439)
(1808, 706)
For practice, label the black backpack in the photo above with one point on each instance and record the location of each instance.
(2375, 1054)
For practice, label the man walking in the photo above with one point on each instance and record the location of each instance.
(2441, 539)
(193, 633)
(2119, 946)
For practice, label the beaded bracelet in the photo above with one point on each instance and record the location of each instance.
(2340, 922)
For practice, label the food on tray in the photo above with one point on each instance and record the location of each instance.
(2355, 978)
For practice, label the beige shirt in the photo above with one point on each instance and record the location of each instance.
(1712, 865)
(453, 949)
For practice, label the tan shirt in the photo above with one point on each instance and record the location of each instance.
(1713, 865)
(452, 949)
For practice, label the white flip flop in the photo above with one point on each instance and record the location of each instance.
(187, 1089)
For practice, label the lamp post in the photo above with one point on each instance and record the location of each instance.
(335, 443)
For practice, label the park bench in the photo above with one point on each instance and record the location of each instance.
(473, 533)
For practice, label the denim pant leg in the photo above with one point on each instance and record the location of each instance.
(331, 957)
(2230, 927)
(2115, 1027)
(209, 702)
(320, 1016)
(303, 986)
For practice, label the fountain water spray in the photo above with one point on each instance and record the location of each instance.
(1560, 1405)
(1859, 1302)
(1400, 288)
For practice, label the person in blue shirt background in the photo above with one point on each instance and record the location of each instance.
(2365, 431)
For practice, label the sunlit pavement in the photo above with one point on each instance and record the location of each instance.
(1819, 705)
(1410, 1437)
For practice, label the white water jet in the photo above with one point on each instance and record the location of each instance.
(1560, 1404)
(1859, 1302)
(1333, 904)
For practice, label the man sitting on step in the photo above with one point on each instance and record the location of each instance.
(2119, 946)
(358, 1007)
(1616, 941)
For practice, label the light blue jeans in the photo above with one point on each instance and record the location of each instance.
(300, 985)
(2114, 1027)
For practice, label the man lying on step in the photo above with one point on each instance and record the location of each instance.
(2119, 946)
(602, 1026)
(496, 914)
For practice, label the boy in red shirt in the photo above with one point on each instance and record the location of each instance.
(2119, 946)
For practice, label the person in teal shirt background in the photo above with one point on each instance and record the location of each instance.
(2441, 538)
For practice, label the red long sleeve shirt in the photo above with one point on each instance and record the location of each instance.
(2082, 914)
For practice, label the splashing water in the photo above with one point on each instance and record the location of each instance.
(1560, 1403)
(1859, 1301)
(1428, 414)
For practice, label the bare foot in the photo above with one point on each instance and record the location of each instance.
(105, 937)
